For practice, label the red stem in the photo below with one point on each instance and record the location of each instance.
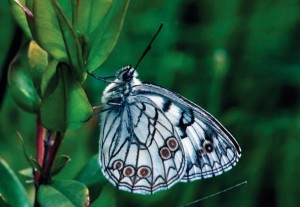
(46, 154)
(41, 131)
(40, 153)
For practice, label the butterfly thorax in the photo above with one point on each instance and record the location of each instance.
(117, 92)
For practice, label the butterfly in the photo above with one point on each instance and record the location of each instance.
(152, 138)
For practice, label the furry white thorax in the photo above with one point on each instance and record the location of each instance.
(123, 87)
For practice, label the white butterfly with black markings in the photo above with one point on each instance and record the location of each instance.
(152, 138)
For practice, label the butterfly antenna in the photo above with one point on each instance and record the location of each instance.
(102, 78)
(212, 195)
(149, 46)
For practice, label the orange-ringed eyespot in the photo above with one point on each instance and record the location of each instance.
(128, 171)
(144, 172)
(172, 144)
(118, 165)
(165, 153)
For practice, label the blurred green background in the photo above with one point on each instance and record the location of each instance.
(240, 60)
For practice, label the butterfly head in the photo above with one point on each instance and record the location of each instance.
(114, 93)
(126, 74)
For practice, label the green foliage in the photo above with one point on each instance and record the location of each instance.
(38, 62)
(67, 100)
(105, 37)
(93, 11)
(92, 177)
(12, 191)
(55, 90)
(63, 193)
(20, 16)
(32, 162)
(21, 84)
(48, 31)
(46, 78)
(60, 163)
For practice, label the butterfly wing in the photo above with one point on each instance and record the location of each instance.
(209, 148)
(140, 150)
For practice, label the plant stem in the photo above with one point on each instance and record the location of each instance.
(40, 147)
(47, 146)
(47, 150)
(40, 155)
(51, 156)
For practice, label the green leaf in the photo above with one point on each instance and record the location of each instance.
(11, 188)
(92, 177)
(90, 170)
(32, 162)
(48, 75)
(21, 84)
(27, 172)
(71, 42)
(60, 163)
(90, 13)
(38, 62)
(67, 193)
(107, 34)
(20, 16)
(67, 105)
(29, 5)
(25, 150)
(47, 28)
(66, 6)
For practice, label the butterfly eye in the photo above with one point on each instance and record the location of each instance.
(144, 172)
(172, 144)
(127, 76)
(208, 147)
(165, 153)
(128, 171)
(118, 165)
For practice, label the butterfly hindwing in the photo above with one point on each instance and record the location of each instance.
(209, 148)
(140, 149)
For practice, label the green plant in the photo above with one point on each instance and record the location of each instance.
(66, 39)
